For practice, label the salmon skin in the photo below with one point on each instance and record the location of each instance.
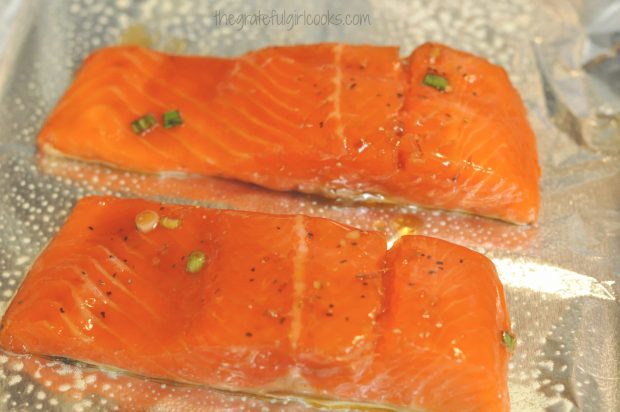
(440, 128)
(267, 304)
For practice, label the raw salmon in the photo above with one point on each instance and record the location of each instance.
(440, 128)
(286, 305)
(395, 220)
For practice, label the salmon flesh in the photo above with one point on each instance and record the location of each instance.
(267, 304)
(440, 128)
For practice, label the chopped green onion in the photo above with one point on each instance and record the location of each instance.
(509, 340)
(170, 223)
(143, 124)
(146, 221)
(172, 118)
(436, 81)
(196, 261)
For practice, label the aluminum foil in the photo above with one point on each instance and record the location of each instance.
(561, 274)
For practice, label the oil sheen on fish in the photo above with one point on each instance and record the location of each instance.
(267, 304)
(440, 128)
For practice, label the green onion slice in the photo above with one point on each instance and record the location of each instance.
(170, 223)
(195, 261)
(509, 340)
(435, 81)
(172, 118)
(143, 124)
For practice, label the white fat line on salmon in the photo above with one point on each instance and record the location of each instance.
(335, 97)
(76, 331)
(87, 316)
(299, 284)
(93, 288)
(251, 82)
(72, 326)
(91, 320)
(119, 285)
(272, 74)
(104, 298)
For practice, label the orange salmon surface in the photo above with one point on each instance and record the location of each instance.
(267, 304)
(440, 128)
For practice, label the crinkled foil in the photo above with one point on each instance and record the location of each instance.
(560, 274)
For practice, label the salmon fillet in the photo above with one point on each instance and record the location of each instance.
(440, 128)
(268, 304)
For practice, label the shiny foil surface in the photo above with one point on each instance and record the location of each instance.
(560, 274)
